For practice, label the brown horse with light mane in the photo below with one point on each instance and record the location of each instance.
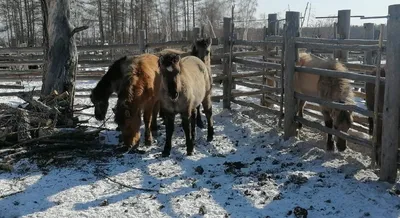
(139, 92)
(328, 88)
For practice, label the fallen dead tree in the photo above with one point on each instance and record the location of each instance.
(35, 127)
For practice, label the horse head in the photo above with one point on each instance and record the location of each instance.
(170, 69)
(201, 48)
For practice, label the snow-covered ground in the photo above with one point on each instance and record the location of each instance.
(247, 171)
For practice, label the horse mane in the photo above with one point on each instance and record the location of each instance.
(104, 87)
(339, 87)
(132, 88)
(169, 51)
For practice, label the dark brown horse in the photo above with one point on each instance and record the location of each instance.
(107, 85)
(201, 48)
(138, 92)
(186, 83)
(328, 88)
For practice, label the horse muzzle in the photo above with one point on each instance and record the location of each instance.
(175, 98)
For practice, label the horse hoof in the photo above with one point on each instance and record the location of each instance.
(329, 147)
(165, 154)
(299, 125)
(122, 149)
(210, 138)
(341, 149)
(189, 153)
(200, 125)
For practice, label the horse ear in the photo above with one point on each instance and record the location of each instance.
(176, 59)
(208, 41)
(160, 60)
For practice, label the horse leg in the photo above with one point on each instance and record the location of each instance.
(162, 114)
(131, 132)
(147, 117)
(193, 124)
(328, 123)
(371, 125)
(200, 123)
(169, 129)
(187, 118)
(378, 142)
(207, 105)
(154, 126)
(300, 109)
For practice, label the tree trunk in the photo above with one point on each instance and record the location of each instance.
(21, 21)
(60, 51)
(101, 28)
(194, 20)
(170, 19)
(33, 23)
(28, 22)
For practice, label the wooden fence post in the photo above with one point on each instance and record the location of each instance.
(390, 132)
(343, 28)
(291, 32)
(141, 42)
(270, 31)
(368, 34)
(227, 86)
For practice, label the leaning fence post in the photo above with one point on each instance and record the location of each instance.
(390, 132)
(227, 86)
(292, 31)
(141, 42)
(343, 28)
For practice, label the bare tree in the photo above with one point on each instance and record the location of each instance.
(60, 50)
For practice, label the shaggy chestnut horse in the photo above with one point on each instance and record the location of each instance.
(328, 88)
(186, 83)
(139, 92)
(111, 82)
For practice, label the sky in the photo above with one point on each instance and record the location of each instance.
(329, 8)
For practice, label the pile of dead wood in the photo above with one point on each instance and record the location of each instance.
(35, 126)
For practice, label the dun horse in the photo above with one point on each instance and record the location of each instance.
(186, 83)
(329, 88)
(139, 92)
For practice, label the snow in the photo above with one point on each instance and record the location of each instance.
(249, 171)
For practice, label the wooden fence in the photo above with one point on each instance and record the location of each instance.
(292, 41)
(273, 76)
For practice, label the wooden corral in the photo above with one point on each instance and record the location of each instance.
(273, 66)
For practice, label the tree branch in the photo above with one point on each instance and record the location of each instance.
(78, 29)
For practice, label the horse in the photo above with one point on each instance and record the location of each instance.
(370, 102)
(329, 88)
(139, 92)
(201, 48)
(186, 83)
(109, 84)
